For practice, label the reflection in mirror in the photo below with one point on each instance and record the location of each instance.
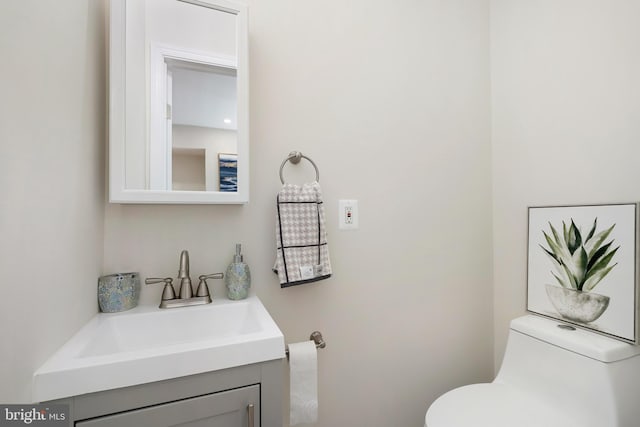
(198, 124)
(184, 84)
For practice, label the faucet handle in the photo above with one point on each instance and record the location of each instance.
(168, 292)
(154, 280)
(211, 276)
(203, 289)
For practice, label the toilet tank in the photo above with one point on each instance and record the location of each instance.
(591, 377)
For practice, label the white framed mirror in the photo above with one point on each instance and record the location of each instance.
(178, 107)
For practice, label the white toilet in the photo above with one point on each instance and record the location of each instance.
(550, 377)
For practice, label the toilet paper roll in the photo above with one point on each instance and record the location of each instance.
(303, 366)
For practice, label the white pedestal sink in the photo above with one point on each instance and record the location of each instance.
(148, 344)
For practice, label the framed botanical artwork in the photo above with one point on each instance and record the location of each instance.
(228, 167)
(583, 267)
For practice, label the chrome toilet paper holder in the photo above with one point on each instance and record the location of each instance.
(316, 337)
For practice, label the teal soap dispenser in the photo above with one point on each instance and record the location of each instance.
(238, 277)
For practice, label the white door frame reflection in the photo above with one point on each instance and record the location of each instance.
(190, 89)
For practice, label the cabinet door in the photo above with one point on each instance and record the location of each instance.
(230, 408)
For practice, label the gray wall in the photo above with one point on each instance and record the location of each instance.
(391, 100)
(566, 122)
(52, 133)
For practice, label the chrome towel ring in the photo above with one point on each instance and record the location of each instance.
(294, 157)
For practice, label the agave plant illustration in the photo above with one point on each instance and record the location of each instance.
(581, 262)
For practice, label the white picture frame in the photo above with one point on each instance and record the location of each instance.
(582, 267)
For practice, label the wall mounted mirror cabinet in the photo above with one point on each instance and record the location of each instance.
(178, 113)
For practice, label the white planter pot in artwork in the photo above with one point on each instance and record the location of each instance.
(577, 306)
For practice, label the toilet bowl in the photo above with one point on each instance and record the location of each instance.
(550, 377)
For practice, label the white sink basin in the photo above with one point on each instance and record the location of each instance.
(149, 344)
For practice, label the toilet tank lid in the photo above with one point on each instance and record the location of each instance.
(580, 341)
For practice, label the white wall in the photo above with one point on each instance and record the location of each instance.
(391, 99)
(52, 133)
(566, 121)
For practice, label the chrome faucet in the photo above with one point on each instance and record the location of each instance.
(185, 295)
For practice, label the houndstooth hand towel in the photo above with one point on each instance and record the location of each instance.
(302, 250)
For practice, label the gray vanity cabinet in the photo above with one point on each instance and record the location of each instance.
(231, 408)
(244, 396)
